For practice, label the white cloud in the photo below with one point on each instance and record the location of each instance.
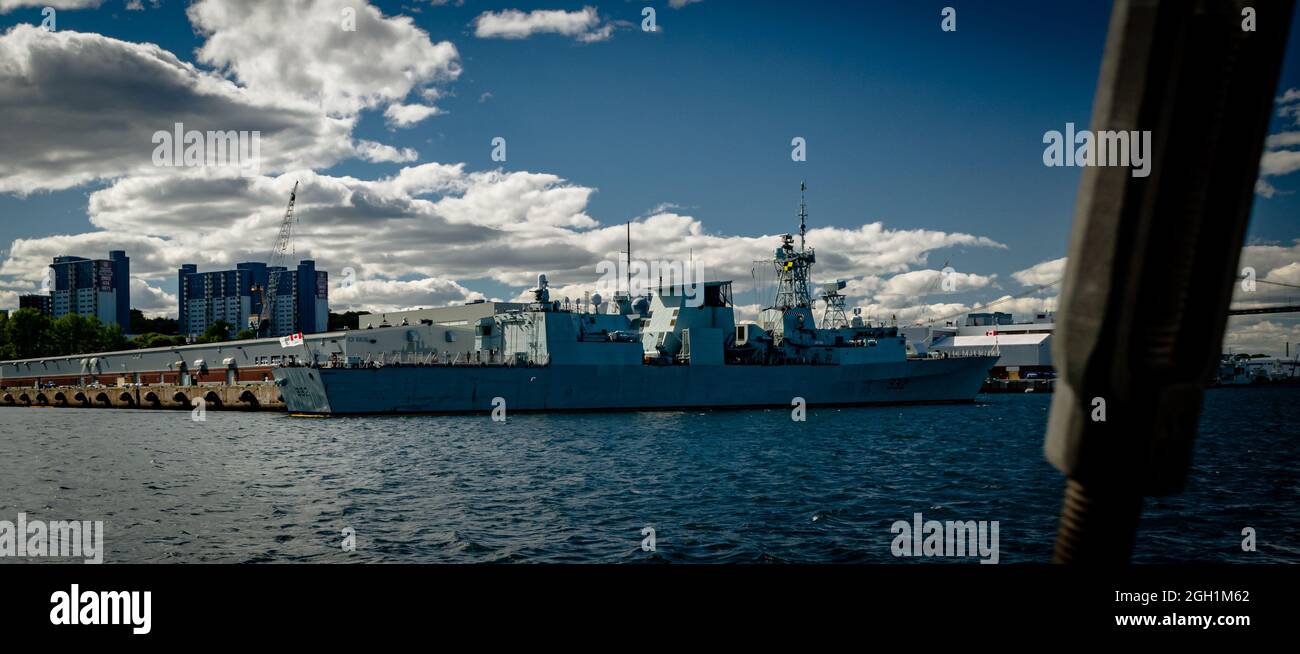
(1271, 263)
(301, 49)
(150, 300)
(405, 115)
(1279, 162)
(382, 153)
(413, 235)
(83, 107)
(1288, 274)
(584, 25)
(1265, 334)
(1041, 273)
(382, 295)
(1282, 140)
(911, 287)
(7, 6)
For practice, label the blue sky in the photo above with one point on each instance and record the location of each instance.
(906, 124)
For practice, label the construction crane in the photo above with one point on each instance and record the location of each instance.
(278, 259)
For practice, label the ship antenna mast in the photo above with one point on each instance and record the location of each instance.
(629, 259)
(803, 215)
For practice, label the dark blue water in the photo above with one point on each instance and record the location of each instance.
(722, 487)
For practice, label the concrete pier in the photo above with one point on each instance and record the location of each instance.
(256, 396)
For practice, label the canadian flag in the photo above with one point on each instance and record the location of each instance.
(291, 340)
(991, 332)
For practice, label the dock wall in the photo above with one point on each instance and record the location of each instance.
(215, 397)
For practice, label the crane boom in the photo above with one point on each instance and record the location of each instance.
(283, 246)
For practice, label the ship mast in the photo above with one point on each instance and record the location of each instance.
(803, 215)
(793, 266)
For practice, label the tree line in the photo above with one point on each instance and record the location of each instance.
(29, 334)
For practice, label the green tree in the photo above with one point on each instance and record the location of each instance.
(245, 334)
(27, 334)
(217, 332)
(6, 349)
(153, 339)
(142, 325)
(75, 334)
(112, 339)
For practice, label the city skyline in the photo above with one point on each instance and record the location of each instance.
(924, 148)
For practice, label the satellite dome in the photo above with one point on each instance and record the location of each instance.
(596, 299)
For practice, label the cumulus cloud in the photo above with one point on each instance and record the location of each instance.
(7, 6)
(1265, 334)
(1278, 159)
(585, 24)
(151, 300)
(383, 295)
(1269, 263)
(411, 236)
(1041, 273)
(1279, 162)
(83, 107)
(384, 153)
(405, 115)
(343, 72)
(909, 287)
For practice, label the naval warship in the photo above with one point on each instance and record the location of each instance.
(680, 347)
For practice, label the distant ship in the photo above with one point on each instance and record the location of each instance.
(680, 347)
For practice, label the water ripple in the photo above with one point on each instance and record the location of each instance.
(717, 487)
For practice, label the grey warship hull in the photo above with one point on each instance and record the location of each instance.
(475, 389)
